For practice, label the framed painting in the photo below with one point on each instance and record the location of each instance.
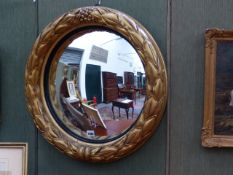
(217, 128)
(13, 158)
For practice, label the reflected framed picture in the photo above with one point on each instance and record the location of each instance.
(13, 158)
(217, 128)
(71, 88)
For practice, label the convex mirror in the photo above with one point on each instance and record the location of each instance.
(96, 84)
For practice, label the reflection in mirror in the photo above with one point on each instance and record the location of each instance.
(100, 85)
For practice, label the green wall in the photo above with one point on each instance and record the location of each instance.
(188, 21)
(178, 27)
(17, 33)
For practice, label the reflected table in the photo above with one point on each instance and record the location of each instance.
(123, 103)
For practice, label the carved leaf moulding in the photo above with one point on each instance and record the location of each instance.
(155, 73)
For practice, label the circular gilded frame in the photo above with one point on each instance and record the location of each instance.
(156, 87)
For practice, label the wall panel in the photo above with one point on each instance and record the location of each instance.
(151, 158)
(17, 32)
(189, 19)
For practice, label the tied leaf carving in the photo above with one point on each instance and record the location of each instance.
(155, 73)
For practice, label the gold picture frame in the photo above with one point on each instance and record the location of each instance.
(13, 158)
(156, 83)
(216, 131)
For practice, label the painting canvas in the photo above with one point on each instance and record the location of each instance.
(217, 128)
(94, 115)
(223, 117)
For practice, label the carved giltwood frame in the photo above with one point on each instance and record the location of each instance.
(209, 138)
(156, 88)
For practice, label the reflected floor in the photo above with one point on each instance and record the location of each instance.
(105, 110)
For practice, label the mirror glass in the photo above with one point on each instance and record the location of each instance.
(99, 86)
